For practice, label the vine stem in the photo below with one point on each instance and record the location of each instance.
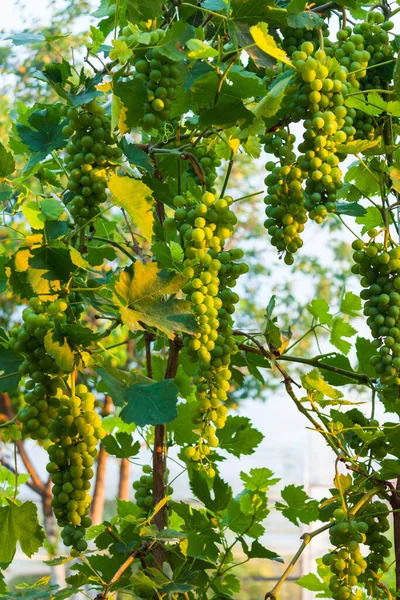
(116, 245)
(228, 174)
(307, 537)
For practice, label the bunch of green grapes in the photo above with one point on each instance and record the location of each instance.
(74, 434)
(294, 37)
(380, 277)
(44, 382)
(322, 95)
(376, 516)
(161, 77)
(144, 492)
(285, 211)
(209, 162)
(204, 226)
(346, 561)
(90, 153)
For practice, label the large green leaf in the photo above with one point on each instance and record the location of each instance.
(141, 298)
(151, 403)
(19, 523)
(121, 445)
(299, 507)
(9, 374)
(7, 163)
(239, 436)
(44, 133)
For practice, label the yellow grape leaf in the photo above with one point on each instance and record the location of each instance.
(234, 145)
(22, 260)
(140, 293)
(104, 87)
(122, 126)
(137, 199)
(267, 44)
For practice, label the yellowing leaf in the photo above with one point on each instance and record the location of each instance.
(141, 298)
(136, 198)
(267, 44)
(104, 87)
(22, 260)
(122, 126)
(234, 145)
(120, 52)
(62, 354)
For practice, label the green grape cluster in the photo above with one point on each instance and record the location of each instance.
(90, 152)
(74, 434)
(322, 98)
(161, 78)
(285, 211)
(294, 37)
(204, 226)
(44, 382)
(144, 492)
(209, 161)
(376, 516)
(378, 448)
(380, 277)
(346, 561)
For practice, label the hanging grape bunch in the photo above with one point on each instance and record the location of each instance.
(204, 226)
(209, 161)
(75, 433)
(91, 152)
(285, 199)
(380, 277)
(346, 561)
(160, 76)
(44, 383)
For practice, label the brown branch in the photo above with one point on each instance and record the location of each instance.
(143, 548)
(159, 454)
(395, 503)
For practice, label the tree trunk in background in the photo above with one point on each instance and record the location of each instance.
(124, 480)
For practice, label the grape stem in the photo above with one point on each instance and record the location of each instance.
(306, 537)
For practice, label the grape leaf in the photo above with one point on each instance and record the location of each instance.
(395, 177)
(341, 329)
(221, 490)
(365, 351)
(44, 133)
(313, 583)
(352, 209)
(133, 96)
(142, 10)
(313, 382)
(37, 212)
(351, 304)
(299, 508)
(372, 218)
(319, 308)
(7, 163)
(258, 479)
(137, 199)
(19, 524)
(199, 50)
(258, 551)
(151, 403)
(9, 374)
(267, 43)
(239, 436)
(136, 157)
(140, 299)
(61, 353)
(20, 39)
(121, 445)
(271, 103)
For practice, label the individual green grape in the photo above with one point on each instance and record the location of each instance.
(91, 152)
